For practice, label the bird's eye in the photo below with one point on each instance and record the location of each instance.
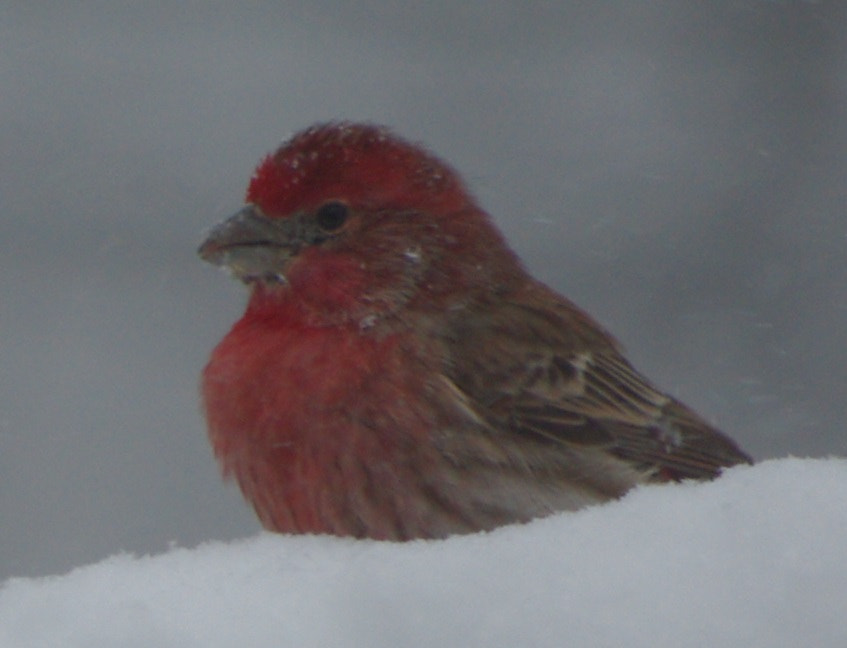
(331, 216)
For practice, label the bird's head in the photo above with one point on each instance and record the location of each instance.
(351, 220)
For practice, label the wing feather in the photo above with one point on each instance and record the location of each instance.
(556, 376)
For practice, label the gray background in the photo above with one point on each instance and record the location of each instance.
(677, 168)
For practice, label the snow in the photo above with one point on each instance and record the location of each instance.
(756, 558)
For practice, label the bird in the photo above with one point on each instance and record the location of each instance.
(398, 374)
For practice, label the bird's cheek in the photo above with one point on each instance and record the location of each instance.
(332, 282)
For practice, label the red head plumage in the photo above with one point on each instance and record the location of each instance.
(363, 165)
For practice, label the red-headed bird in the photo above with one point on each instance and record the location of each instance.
(398, 374)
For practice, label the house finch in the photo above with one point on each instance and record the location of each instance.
(397, 374)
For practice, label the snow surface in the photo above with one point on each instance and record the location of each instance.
(756, 558)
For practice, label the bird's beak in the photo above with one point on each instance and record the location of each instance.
(250, 245)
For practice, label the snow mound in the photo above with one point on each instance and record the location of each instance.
(756, 558)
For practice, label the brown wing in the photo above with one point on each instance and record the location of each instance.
(557, 376)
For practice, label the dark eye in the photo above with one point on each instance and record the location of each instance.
(331, 216)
